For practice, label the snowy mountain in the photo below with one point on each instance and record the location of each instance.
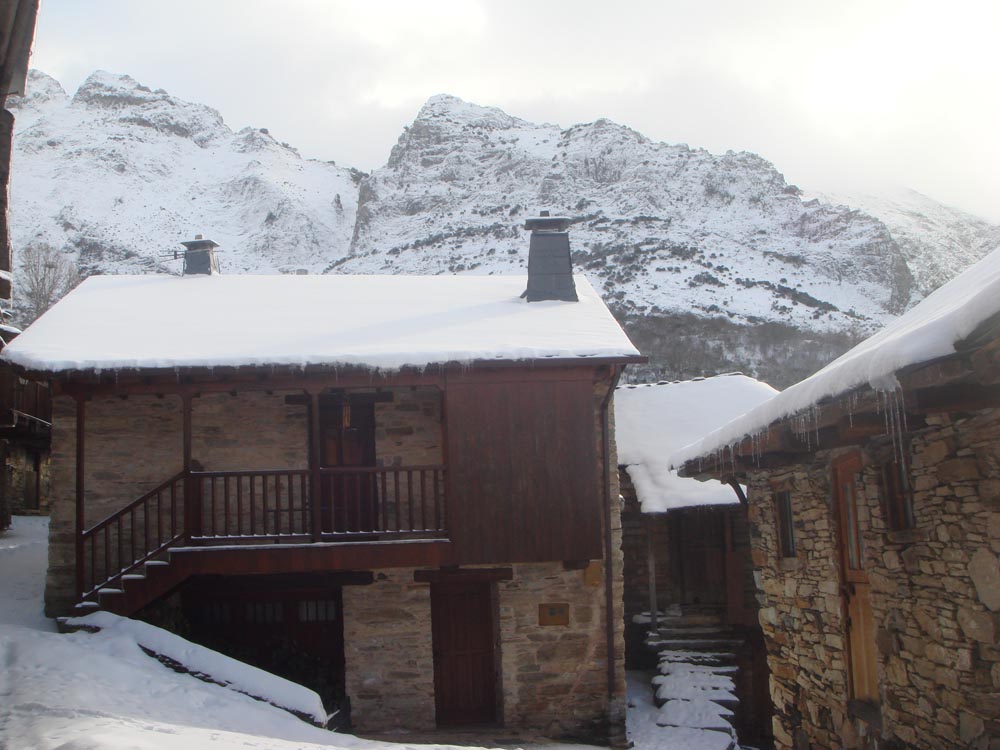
(119, 174)
(712, 262)
(937, 241)
(660, 228)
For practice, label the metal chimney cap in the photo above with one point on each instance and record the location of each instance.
(199, 244)
(548, 223)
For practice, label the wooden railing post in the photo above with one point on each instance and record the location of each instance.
(80, 491)
(192, 485)
(315, 492)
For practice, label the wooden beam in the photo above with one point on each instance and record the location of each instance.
(284, 582)
(306, 558)
(81, 411)
(465, 575)
(192, 485)
(965, 397)
(315, 459)
(654, 606)
(738, 489)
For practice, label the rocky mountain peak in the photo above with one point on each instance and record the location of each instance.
(120, 98)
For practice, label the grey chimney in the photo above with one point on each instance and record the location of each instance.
(199, 256)
(550, 271)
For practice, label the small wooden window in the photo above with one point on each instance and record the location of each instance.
(897, 496)
(322, 610)
(786, 530)
(265, 613)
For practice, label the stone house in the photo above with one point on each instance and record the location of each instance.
(23, 406)
(874, 509)
(685, 543)
(396, 490)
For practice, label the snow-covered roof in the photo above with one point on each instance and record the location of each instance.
(652, 421)
(384, 322)
(928, 331)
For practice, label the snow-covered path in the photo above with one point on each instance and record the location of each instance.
(101, 692)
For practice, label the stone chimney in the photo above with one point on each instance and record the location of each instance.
(550, 271)
(199, 256)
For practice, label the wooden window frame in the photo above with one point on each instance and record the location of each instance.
(896, 494)
(784, 520)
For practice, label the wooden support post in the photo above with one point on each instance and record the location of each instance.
(654, 621)
(192, 488)
(315, 491)
(80, 492)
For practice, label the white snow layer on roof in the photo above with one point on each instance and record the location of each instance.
(652, 421)
(928, 331)
(385, 322)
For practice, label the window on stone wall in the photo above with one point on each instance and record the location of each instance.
(897, 495)
(786, 530)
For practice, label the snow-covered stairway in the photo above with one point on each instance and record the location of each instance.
(697, 672)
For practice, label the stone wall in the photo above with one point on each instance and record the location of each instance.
(636, 527)
(388, 662)
(553, 677)
(935, 597)
(252, 430)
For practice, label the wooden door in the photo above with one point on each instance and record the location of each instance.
(855, 588)
(347, 438)
(700, 543)
(463, 634)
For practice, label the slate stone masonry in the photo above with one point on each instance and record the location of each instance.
(935, 596)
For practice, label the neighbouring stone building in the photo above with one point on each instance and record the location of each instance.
(400, 491)
(874, 507)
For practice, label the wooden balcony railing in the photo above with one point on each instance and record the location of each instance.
(388, 501)
(248, 507)
(253, 505)
(123, 541)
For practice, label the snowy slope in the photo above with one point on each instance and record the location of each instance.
(937, 241)
(119, 174)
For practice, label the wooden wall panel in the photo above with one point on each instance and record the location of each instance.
(524, 475)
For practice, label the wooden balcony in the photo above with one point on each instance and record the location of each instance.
(260, 521)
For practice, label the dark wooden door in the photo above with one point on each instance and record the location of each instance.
(347, 439)
(462, 623)
(855, 588)
(700, 543)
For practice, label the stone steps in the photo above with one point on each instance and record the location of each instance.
(695, 689)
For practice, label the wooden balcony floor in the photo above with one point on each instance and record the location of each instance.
(309, 557)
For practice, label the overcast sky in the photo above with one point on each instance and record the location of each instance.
(837, 94)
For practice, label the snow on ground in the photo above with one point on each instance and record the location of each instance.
(23, 558)
(654, 420)
(100, 691)
(643, 731)
(928, 331)
(200, 660)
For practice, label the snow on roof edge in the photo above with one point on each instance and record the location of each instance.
(926, 332)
